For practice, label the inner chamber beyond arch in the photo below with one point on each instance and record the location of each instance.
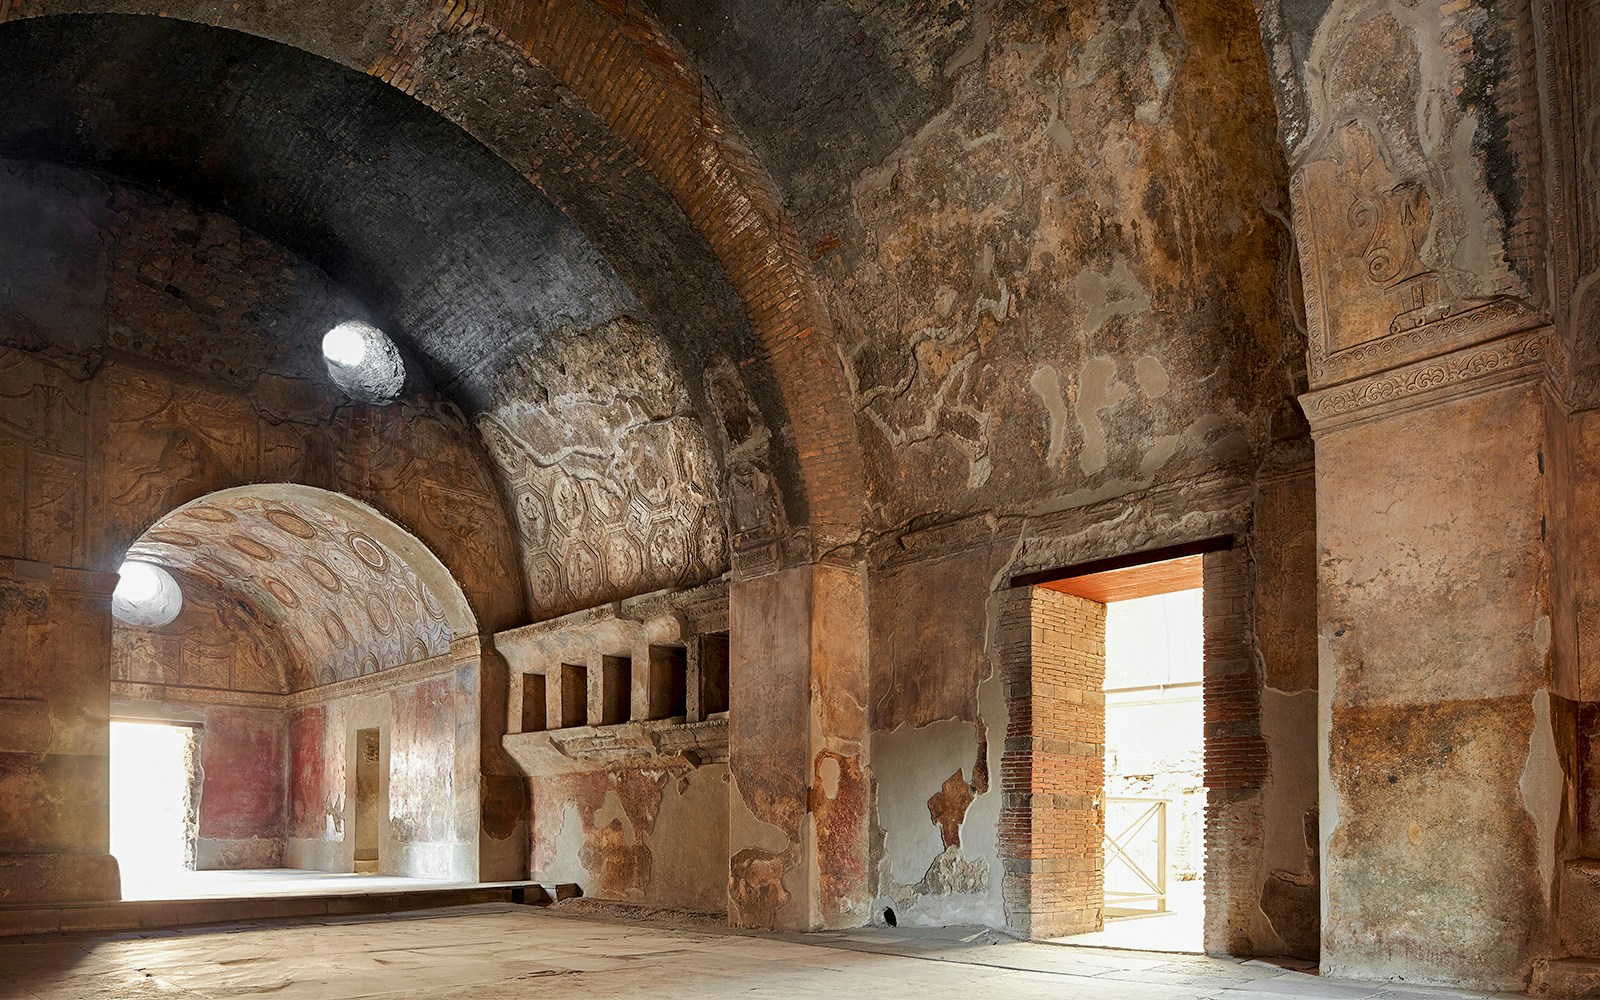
(347, 590)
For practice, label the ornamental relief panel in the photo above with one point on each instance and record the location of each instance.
(1414, 238)
(43, 414)
(613, 481)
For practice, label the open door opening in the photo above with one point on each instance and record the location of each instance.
(1125, 647)
(155, 800)
(1154, 802)
(368, 804)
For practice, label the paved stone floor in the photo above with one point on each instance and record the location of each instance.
(1180, 929)
(502, 951)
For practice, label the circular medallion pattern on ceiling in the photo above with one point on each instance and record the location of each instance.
(430, 604)
(337, 633)
(382, 617)
(182, 539)
(282, 591)
(252, 548)
(318, 570)
(291, 524)
(368, 551)
(215, 515)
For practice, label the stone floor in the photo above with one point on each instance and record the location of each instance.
(1180, 929)
(503, 951)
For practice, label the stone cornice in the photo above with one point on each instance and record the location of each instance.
(383, 680)
(1518, 357)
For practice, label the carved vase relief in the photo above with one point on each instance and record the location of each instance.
(1366, 229)
(42, 419)
(342, 600)
(612, 479)
(1413, 243)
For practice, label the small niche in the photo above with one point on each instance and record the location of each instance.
(616, 689)
(713, 673)
(534, 702)
(669, 682)
(574, 695)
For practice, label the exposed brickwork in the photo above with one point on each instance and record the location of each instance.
(1053, 766)
(1235, 753)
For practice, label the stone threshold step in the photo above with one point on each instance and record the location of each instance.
(155, 914)
(1575, 978)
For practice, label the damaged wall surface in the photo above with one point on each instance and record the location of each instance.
(759, 361)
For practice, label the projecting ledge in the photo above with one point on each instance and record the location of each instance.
(658, 743)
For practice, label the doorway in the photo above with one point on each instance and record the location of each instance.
(1154, 803)
(368, 800)
(155, 802)
(1108, 671)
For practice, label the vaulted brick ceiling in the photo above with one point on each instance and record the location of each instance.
(453, 250)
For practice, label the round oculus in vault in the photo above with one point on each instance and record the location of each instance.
(363, 362)
(146, 595)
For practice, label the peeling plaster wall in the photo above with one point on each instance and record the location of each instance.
(647, 835)
(638, 809)
(428, 785)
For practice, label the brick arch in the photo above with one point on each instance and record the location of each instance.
(628, 72)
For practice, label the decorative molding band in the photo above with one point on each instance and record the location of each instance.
(1516, 358)
(382, 681)
(183, 694)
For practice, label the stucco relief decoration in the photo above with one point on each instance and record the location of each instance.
(1407, 245)
(347, 605)
(611, 474)
(42, 420)
(1369, 227)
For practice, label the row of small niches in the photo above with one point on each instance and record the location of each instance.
(688, 682)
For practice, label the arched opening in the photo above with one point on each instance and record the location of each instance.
(299, 714)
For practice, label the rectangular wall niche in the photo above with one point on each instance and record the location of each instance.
(574, 695)
(368, 788)
(669, 682)
(534, 703)
(713, 674)
(616, 689)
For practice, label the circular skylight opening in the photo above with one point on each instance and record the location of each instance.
(146, 595)
(363, 362)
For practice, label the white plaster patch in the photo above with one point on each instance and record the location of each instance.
(1115, 293)
(911, 766)
(1046, 382)
(748, 831)
(1151, 376)
(1098, 389)
(829, 773)
(1542, 784)
(568, 852)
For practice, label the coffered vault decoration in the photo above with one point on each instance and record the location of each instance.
(610, 471)
(346, 603)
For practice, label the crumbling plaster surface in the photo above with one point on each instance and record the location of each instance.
(646, 835)
(1031, 302)
(1439, 772)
